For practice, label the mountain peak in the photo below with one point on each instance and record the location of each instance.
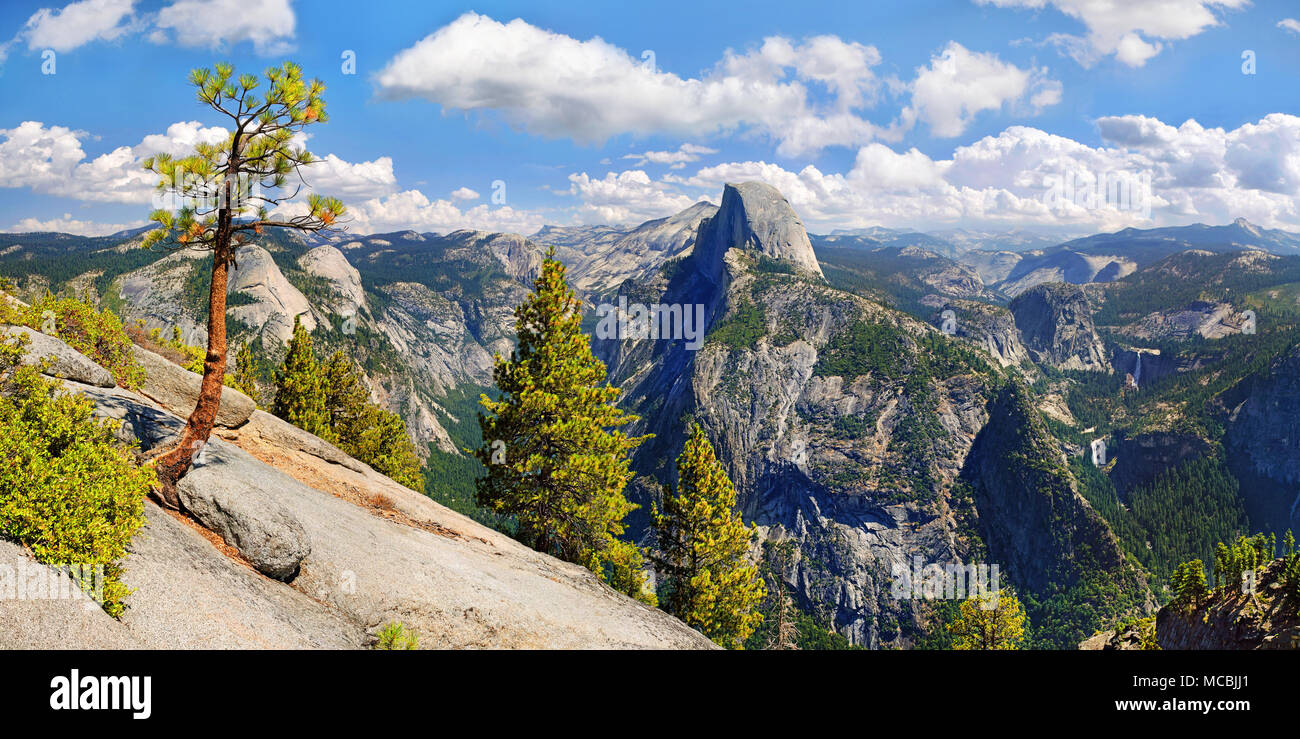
(755, 215)
(1247, 226)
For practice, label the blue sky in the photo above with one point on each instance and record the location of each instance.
(925, 114)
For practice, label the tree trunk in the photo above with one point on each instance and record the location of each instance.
(173, 465)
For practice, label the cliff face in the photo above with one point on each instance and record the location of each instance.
(1269, 618)
(755, 215)
(1056, 324)
(818, 456)
(1036, 524)
(1265, 426)
(846, 428)
(991, 328)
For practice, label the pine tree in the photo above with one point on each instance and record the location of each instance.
(298, 395)
(785, 630)
(345, 399)
(989, 621)
(246, 373)
(555, 458)
(1188, 582)
(625, 571)
(222, 194)
(384, 444)
(707, 581)
(328, 400)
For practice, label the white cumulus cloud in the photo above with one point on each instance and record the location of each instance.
(557, 86)
(51, 160)
(1132, 30)
(1196, 174)
(674, 159)
(77, 24)
(69, 225)
(267, 24)
(413, 210)
(958, 84)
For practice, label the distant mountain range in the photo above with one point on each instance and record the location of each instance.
(1109, 256)
(867, 391)
(949, 243)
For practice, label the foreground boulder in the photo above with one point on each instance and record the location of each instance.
(177, 389)
(64, 361)
(233, 495)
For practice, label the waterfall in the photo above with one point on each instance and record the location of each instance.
(1137, 371)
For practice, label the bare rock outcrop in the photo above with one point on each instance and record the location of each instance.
(63, 361)
(328, 263)
(378, 553)
(1268, 618)
(275, 302)
(754, 215)
(1056, 325)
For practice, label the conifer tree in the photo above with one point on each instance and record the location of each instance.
(298, 394)
(707, 580)
(328, 400)
(344, 397)
(555, 457)
(625, 571)
(246, 373)
(383, 443)
(1188, 582)
(785, 629)
(225, 192)
(989, 621)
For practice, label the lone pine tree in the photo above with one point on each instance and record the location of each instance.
(555, 457)
(222, 193)
(707, 580)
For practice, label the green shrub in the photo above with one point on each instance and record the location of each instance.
(97, 334)
(397, 636)
(71, 494)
